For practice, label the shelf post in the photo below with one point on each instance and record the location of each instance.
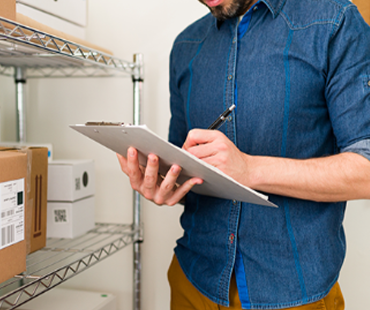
(137, 79)
(20, 85)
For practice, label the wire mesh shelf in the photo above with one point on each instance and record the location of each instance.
(45, 55)
(62, 259)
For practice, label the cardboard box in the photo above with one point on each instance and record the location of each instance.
(37, 199)
(19, 145)
(28, 21)
(13, 174)
(70, 219)
(62, 299)
(73, 11)
(364, 8)
(57, 23)
(36, 195)
(7, 9)
(70, 180)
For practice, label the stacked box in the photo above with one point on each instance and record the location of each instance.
(71, 200)
(13, 176)
(36, 194)
(7, 9)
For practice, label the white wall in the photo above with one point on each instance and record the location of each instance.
(355, 275)
(148, 27)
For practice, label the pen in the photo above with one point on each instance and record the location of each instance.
(222, 118)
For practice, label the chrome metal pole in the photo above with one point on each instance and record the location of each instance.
(20, 84)
(137, 79)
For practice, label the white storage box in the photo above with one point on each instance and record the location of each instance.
(68, 299)
(70, 180)
(70, 219)
(73, 11)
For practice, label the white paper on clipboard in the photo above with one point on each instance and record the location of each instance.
(119, 138)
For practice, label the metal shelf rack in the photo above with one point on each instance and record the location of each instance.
(62, 259)
(25, 53)
(46, 55)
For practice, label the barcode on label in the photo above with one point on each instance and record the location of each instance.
(60, 216)
(7, 235)
(7, 213)
(77, 184)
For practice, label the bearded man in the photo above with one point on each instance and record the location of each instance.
(299, 75)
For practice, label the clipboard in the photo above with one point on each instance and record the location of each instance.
(118, 137)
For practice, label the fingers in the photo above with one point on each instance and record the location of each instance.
(149, 185)
(203, 151)
(169, 192)
(168, 185)
(133, 169)
(206, 144)
(183, 190)
(123, 162)
(198, 136)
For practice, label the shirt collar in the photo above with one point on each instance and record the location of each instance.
(275, 7)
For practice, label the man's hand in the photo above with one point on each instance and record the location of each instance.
(340, 177)
(213, 147)
(160, 190)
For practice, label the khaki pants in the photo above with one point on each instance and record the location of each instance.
(184, 296)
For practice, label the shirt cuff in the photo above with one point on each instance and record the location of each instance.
(362, 147)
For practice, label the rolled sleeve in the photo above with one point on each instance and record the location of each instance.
(362, 148)
(348, 81)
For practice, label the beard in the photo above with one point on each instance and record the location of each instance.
(234, 9)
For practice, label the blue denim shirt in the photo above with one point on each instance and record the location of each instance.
(302, 71)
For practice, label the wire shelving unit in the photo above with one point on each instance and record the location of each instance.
(25, 53)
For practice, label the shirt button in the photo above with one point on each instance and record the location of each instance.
(230, 77)
(234, 41)
(231, 238)
(235, 202)
(368, 83)
(230, 118)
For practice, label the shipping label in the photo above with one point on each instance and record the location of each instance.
(12, 197)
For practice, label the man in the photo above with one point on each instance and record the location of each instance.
(299, 73)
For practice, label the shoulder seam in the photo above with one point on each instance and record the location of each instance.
(302, 27)
(335, 22)
(340, 16)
